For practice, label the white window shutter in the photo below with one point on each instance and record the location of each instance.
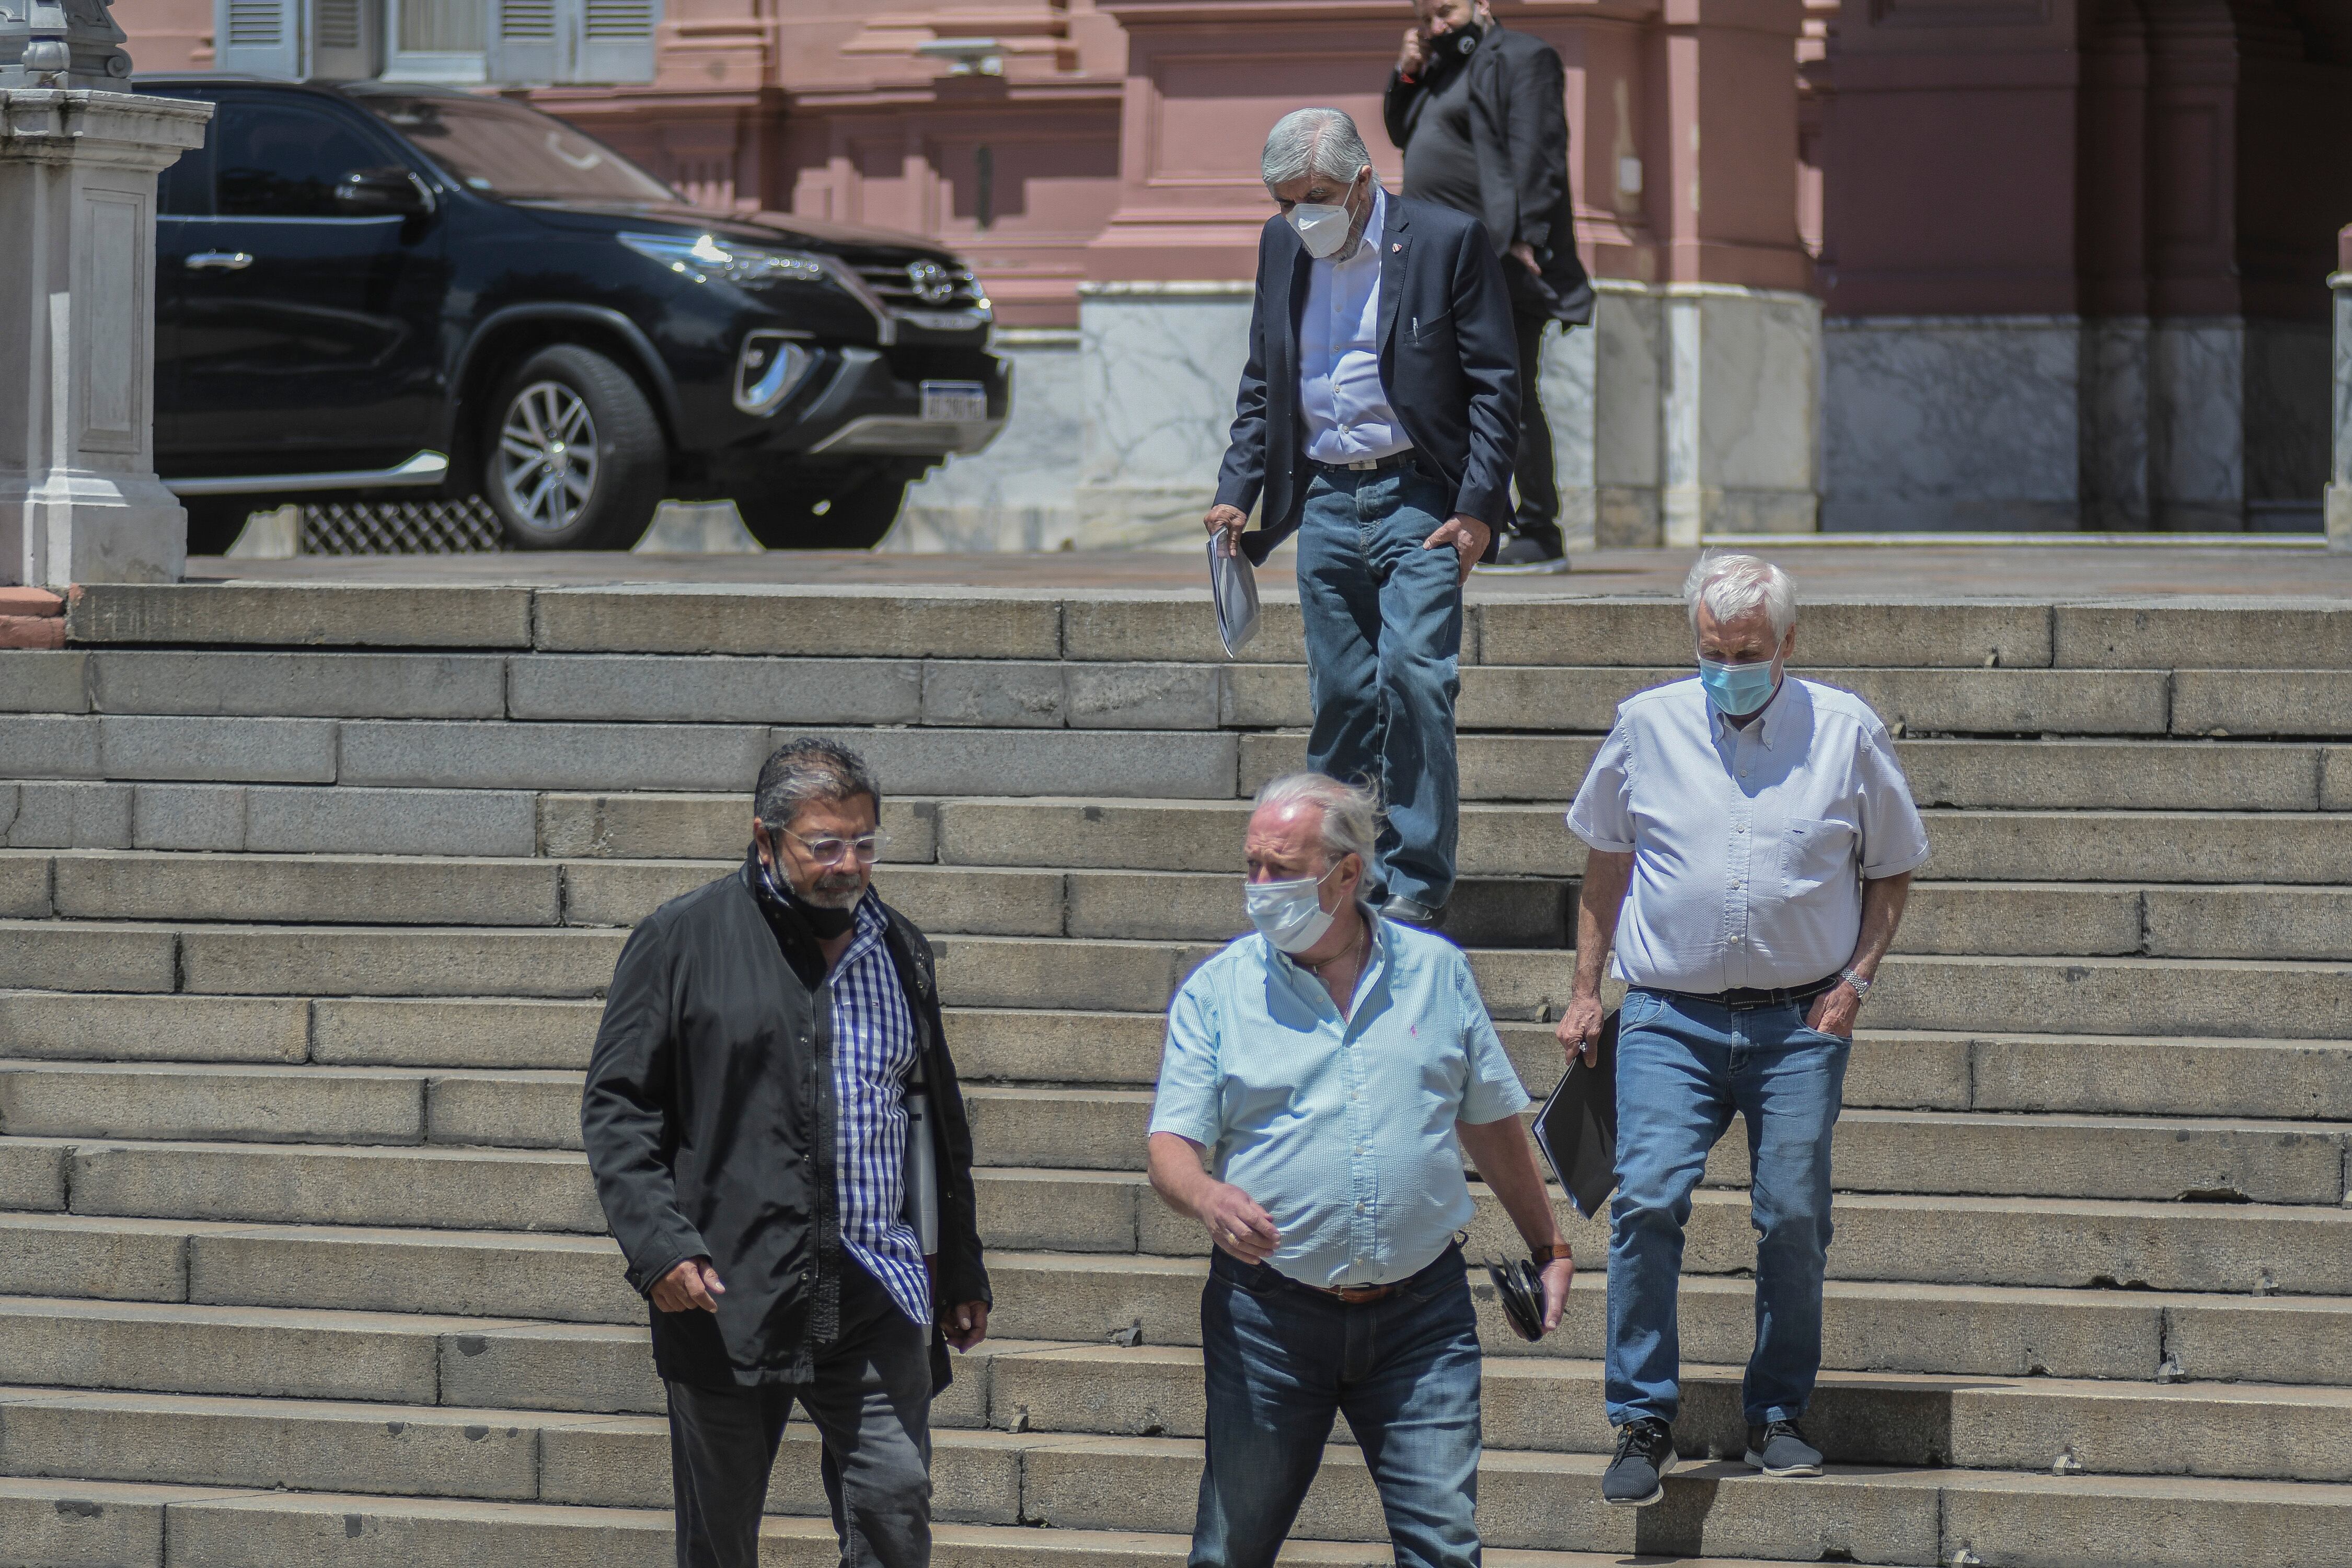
(258, 37)
(346, 40)
(527, 38)
(616, 41)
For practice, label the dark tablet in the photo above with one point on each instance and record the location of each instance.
(1577, 1129)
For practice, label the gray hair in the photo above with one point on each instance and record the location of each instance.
(1352, 814)
(1313, 142)
(807, 768)
(1731, 586)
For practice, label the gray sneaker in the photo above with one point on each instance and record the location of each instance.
(1636, 1478)
(1779, 1448)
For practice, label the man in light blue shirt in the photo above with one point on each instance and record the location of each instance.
(1332, 1069)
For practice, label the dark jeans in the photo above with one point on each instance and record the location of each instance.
(1685, 1068)
(1282, 1361)
(1384, 619)
(871, 1403)
(1538, 514)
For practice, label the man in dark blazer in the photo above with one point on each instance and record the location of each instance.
(1376, 420)
(1481, 115)
(781, 1148)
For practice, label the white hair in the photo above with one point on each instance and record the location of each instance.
(1313, 142)
(1731, 586)
(1351, 815)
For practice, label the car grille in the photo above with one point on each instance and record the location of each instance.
(893, 282)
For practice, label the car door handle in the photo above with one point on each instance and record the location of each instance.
(223, 260)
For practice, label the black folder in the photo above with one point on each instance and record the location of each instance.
(1577, 1129)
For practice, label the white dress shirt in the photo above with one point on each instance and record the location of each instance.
(1749, 845)
(1339, 390)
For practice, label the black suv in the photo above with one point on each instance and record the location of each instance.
(370, 290)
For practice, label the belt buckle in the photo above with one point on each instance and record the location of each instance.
(1363, 465)
(1357, 1295)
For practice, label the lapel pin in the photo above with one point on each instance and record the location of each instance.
(1398, 246)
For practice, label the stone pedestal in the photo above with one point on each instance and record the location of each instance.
(80, 501)
(2339, 466)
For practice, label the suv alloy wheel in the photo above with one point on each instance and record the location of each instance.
(572, 456)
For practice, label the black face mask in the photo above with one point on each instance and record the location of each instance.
(1464, 40)
(824, 922)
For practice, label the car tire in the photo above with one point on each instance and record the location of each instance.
(213, 524)
(847, 506)
(572, 457)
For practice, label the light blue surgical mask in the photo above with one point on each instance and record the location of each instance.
(1738, 690)
(1289, 913)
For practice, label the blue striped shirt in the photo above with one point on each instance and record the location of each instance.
(873, 1050)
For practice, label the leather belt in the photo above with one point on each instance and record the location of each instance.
(1354, 1295)
(1749, 999)
(1369, 465)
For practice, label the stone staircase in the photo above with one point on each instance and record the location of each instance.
(309, 894)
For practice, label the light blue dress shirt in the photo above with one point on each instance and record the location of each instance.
(1750, 845)
(1341, 1130)
(1340, 390)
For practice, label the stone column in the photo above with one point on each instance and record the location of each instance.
(80, 501)
(2339, 466)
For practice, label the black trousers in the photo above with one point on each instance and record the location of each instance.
(870, 1401)
(1538, 512)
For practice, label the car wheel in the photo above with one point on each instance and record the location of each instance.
(573, 456)
(213, 524)
(848, 506)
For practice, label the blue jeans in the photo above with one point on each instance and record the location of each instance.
(1383, 622)
(1282, 1360)
(1684, 1069)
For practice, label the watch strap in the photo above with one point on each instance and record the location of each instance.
(1551, 1252)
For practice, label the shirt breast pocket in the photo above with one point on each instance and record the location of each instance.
(1813, 853)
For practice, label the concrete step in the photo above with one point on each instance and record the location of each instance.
(238, 1103)
(282, 961)
(2058, 919)
(1962, 1327)
(1101, 1492)
(1047, 1393)
(1929, 1237)
(1504, 624)
(123, 1525)
(1890, 1069)
(2265, 1162)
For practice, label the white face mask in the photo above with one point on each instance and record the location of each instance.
(1290, 914)
(1322, 227)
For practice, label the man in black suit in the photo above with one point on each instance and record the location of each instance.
(1376, 419)
(1482, 117)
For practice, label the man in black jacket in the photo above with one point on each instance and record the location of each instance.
(1481, 115)
(755, 1109)
(1376, 420)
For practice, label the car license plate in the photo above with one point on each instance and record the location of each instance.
(954, 402)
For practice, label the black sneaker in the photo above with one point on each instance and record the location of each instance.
(1777, 1449)
(1636, 1478)
(1527, 554)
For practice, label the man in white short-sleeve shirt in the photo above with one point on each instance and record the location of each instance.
(1758, 837)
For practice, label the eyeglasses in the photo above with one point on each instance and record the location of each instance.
(833, 851)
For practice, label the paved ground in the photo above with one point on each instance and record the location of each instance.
(2069, 570)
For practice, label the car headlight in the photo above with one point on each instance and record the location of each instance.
(705, 257)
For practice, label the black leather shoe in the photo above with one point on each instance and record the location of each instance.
(1413, 912)
(1636, 1478)
(1777, 1449)
(1528, 555)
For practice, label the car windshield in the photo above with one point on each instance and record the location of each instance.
(505, 150)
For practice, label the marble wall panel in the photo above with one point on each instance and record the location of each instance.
(2114, 475)
(1018, 493)
(1950, 423)
(2287, 422)
(1566, 387)
(2339, 469)
(1159, 364)
(1629, 427)
(2196, 424)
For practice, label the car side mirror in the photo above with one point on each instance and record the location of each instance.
(383, 192)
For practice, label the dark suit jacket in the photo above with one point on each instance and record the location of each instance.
(1519, 125)
(1449, 364)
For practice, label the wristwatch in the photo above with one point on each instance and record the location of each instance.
(1860, 982)
(1551, 1252)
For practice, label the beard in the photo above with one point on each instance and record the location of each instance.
(835, 890)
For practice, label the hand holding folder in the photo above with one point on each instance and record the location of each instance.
(1577, 1129)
